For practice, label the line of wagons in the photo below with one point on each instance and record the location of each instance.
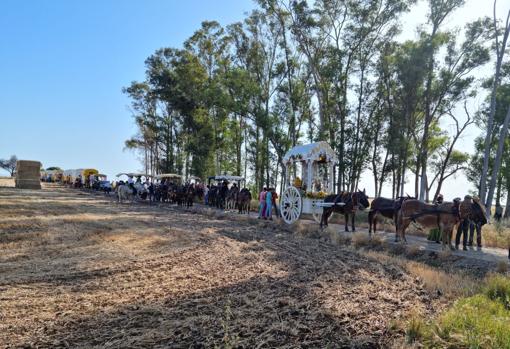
(308, 188)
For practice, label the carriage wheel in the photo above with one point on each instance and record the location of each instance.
(291, 205)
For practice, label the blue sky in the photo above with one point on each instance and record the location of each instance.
(63, 65)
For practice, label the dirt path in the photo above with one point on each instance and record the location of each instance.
(486, 254)
(79, 271)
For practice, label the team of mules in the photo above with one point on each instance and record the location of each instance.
(233, 198)
(402, 211)
(442, 216)
(168, 192)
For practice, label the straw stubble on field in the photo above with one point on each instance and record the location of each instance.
(77, 270)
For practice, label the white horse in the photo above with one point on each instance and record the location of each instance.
(141, 191)
(124, 192)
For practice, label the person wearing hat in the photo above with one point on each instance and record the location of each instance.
(464, 224)
(131, 184)
(476, 224)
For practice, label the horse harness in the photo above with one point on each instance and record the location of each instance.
(437, 212)
(349, 199)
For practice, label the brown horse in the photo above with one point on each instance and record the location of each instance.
(444, 216)
(347, 204)
(385, 207)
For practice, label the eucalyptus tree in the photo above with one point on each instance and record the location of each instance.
(500, 175)
(446, 81)
(500, 50)
(143, 107)
(339, 41)
(503, 134)
(210, 45)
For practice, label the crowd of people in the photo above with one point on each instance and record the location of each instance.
(267, 204)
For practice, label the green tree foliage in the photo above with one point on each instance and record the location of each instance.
(234, 99)
(9, 164)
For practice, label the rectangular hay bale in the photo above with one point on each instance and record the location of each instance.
(28, 174)
(28, 184)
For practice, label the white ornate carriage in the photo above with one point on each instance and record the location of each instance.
(309, 177)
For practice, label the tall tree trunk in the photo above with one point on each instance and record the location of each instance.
(423, 153)
(417, 180)
(382, 178)
(507, 208)
(258, 181)
(238, 145)
(500, 52)
(498, 189)
(497, 162)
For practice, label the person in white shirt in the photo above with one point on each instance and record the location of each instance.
(131, 184)
(206, 195)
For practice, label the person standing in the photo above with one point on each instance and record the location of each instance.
(464, 224)
(91, 181)
(262, 201)
(269, 205)
(131, 184)
(274, 196)
(476, 224)
(206, 195)
(151, 191)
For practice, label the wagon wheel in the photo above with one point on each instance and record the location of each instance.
(316, 211)
(291, 205)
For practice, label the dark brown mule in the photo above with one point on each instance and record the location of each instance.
(385, 207)
(443, 216)
(244, 200)
(189, 195)
(347, 204)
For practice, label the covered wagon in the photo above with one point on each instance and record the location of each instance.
(309, 170)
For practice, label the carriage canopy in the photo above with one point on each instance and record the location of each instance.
(310, 167)
(226, 178)
(194, 179)
(89, 171)
(315, 152)
(168, 175)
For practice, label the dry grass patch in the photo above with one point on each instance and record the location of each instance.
(497, 234)
(360, 240)
(363, 240)
(144, 276)
(397, 249)
(305, 229)
(7, 182)
(452, 285)
(413, 251)
(337, 238)
(444, 255)
(502, 267)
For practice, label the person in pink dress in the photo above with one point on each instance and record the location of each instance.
(262, 203)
